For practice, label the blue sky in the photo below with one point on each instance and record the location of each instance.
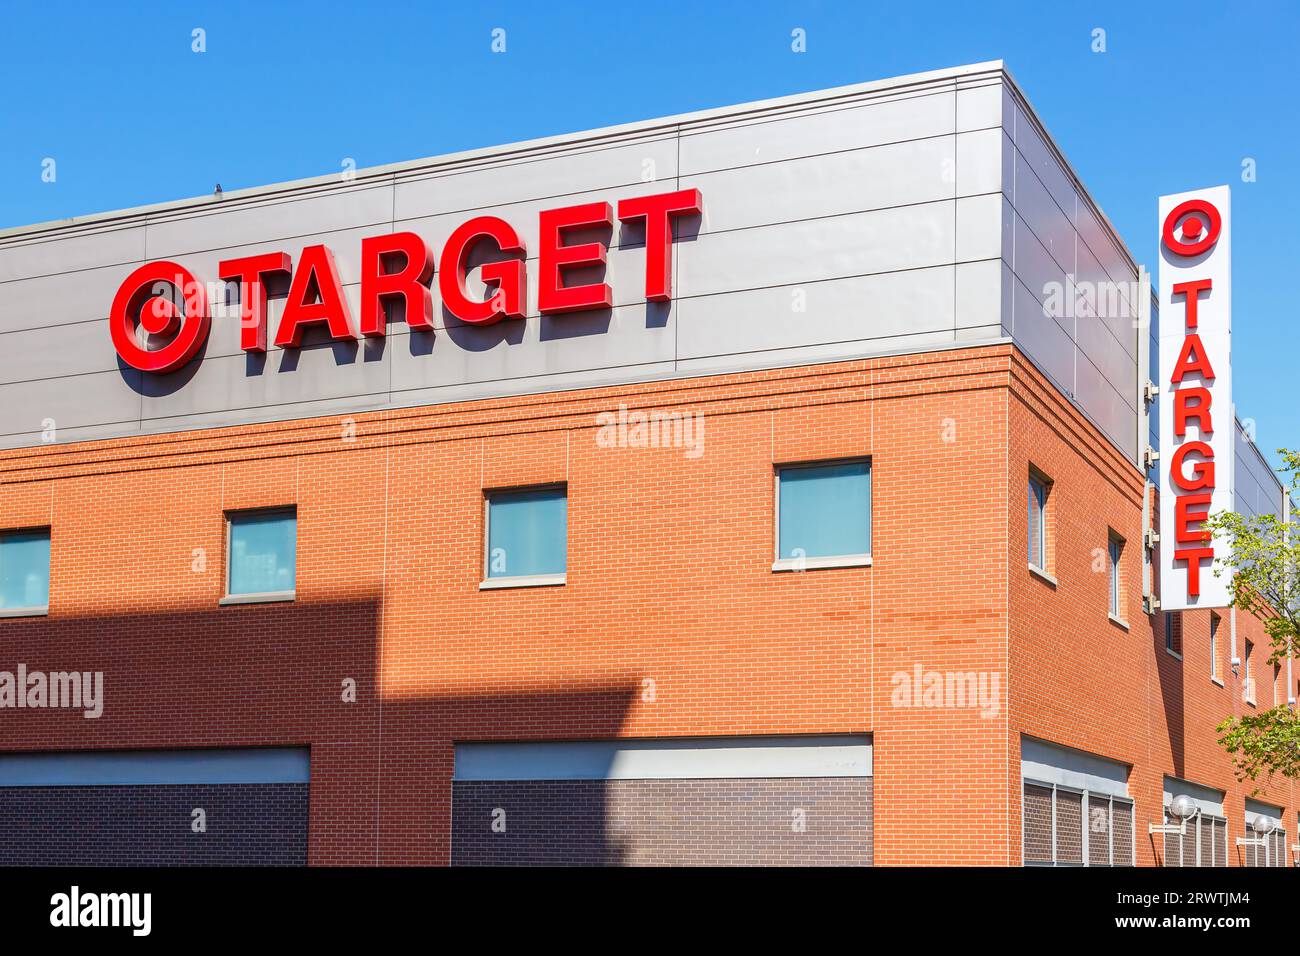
(1182, 95)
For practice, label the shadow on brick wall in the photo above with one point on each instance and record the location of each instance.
(305, 674)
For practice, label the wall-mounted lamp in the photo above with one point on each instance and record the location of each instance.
(1263, 826)
(1182, 808)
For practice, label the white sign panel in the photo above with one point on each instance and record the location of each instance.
(1196, 419)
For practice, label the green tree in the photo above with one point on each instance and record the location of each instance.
(1265, 568)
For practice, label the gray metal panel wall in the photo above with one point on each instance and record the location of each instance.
(901, 215)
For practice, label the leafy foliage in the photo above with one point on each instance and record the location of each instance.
(1265, 568)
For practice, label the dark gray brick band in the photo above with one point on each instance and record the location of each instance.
(247, 824)
(767, 822)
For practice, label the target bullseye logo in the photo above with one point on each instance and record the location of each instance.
(1197, 236)
(141, 300)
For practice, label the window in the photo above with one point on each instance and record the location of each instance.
(823, 515)
(261, 558)
(1205, 844)
(1114, 551)
(1068, 827)
(1174, 632)
(1214, 646)
(24, 572)
(1038, 490)
(1273, 850)
(527, 537)
(1248, 683)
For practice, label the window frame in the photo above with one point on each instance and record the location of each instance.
(488, 583)
(1282, 858)
(859, 560)
(1219, 848)
(1271, 858)
(1044, 568)
(1172, 649)
(1087, 798)
(258, 597)
(1248, 680)
(1216, 622)
(32, 610)
(1115, 545)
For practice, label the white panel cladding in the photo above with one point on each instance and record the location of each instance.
(897, 174)
(1207, 799)
(221, 225)
(1067, 262)
(60, 252)
(865, 243)
(59, 299)
(1042, 338)
(435, 229)
(96, 398)
(1111, 301)
(981, 106)
(1256, 489)
(979, 227)
(980, 158)
(835, 128)
(546, 345)
(1266, 810)
(144, 767)
(857, 309)
(983, 294)
(849, 222)
(1043, 216)
(1066, 767)
(575, 169)
(667, 759)
(61, 350)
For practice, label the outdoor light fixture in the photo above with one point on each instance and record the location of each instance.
(1263, 826)
(1182, 808)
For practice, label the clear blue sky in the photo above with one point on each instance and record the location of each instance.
(1183, 93)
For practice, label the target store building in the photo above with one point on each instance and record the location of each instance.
(742, 487)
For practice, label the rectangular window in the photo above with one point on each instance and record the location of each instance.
(1214, 646)
(262, 554)
(24, 571)
(1248, 682)
(1174, 632)
(527, 537)
(1067, 827)
(1206, 842)
(823, 515)
(1115, 551)
(1271, 852)
(1038, 522)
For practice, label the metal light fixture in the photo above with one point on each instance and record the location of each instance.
(1263, 825)
(1182, 808)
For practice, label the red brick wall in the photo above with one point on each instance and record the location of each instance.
(671, 623)
(1081, 680)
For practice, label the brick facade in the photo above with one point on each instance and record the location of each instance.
(153, 825)
(671, 622)
(820, 821)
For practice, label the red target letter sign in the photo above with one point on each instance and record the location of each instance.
(1196, 458)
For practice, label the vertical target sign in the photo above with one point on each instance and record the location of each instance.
(1197, 426)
